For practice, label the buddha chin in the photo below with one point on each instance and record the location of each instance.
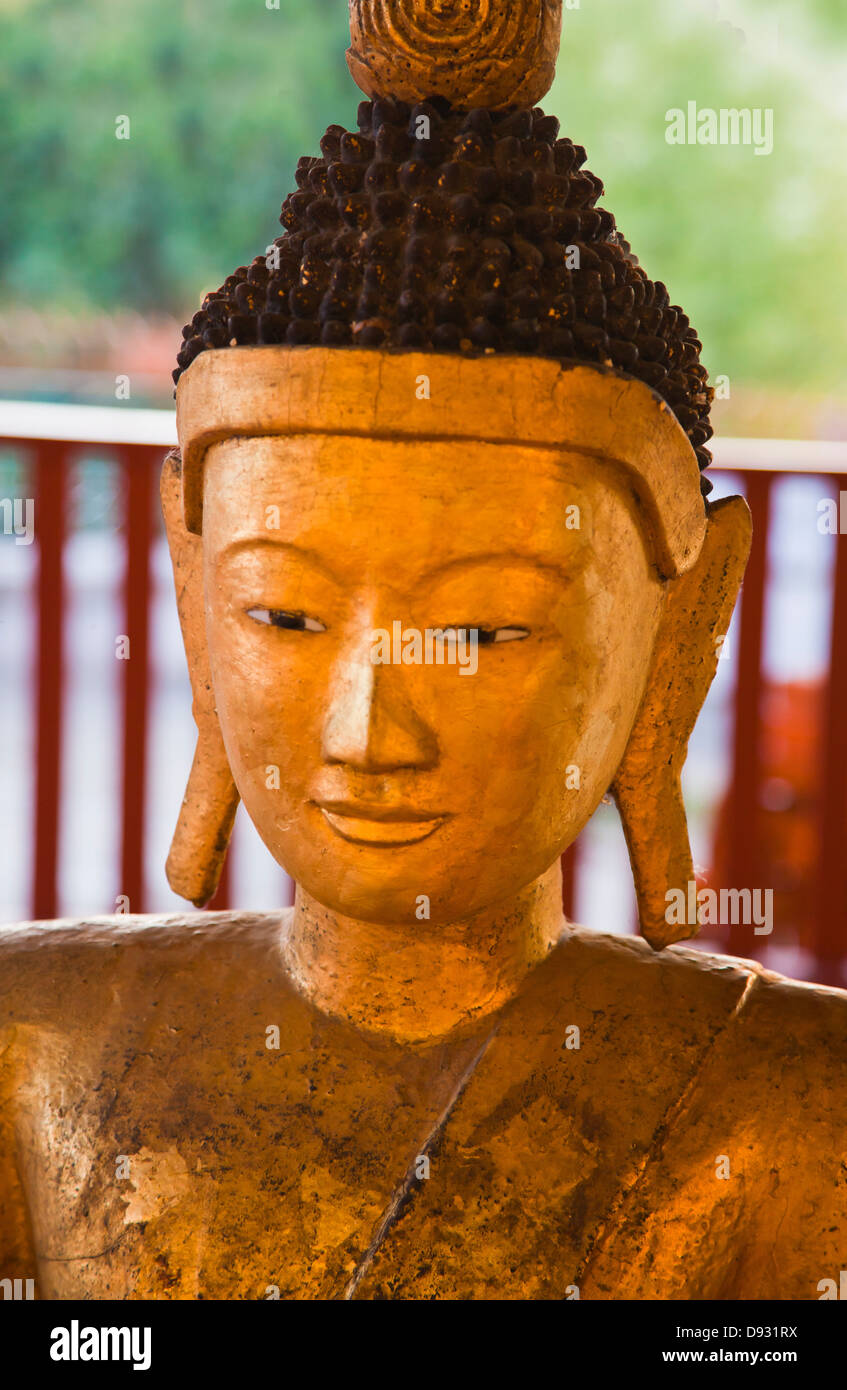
(382, 785)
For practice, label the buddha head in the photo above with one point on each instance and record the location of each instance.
(446, 569)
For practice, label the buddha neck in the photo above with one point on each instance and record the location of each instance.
(420, 982)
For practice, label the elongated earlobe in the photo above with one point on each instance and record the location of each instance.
(647, 785)
(201, 837)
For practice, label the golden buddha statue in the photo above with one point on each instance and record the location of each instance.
(449, 405)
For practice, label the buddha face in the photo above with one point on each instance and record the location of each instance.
(427, 659)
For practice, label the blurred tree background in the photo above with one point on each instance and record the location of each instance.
(224, 95)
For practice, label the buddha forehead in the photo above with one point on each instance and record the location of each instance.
(398, 506)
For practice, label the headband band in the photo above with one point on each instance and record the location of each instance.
(499, 399)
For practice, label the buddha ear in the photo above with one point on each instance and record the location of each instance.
(647, 786)
(201, 838)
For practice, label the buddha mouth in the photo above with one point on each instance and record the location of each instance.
(381, 827)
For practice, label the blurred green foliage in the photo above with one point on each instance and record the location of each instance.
(224, 95)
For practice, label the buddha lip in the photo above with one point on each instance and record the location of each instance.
(359, 810)
(383, 826)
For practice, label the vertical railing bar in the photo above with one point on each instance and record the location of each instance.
(221, 901)
(743, 856)
(49, 473)
(138, 477)
(570, 872)
(830, 925)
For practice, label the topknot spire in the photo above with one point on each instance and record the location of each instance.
(491, 53)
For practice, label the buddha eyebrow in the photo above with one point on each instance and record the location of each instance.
(503, 559)
(254, 543)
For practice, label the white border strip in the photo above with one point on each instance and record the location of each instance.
(87, 424)
(780, 455)
(104, 424)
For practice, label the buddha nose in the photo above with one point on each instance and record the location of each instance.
(371, 723)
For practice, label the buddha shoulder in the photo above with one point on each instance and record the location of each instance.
(716, 1023)
(627, 978)
(730, 1082)
(80, 975)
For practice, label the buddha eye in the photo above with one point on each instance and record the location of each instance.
(486, 636)
(293, 622)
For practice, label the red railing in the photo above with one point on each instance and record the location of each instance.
(50, 439)
(50, 510)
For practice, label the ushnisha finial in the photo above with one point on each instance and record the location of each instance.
(491, 53)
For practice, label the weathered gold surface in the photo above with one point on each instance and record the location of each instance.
(550, 1167)
(492, 53)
